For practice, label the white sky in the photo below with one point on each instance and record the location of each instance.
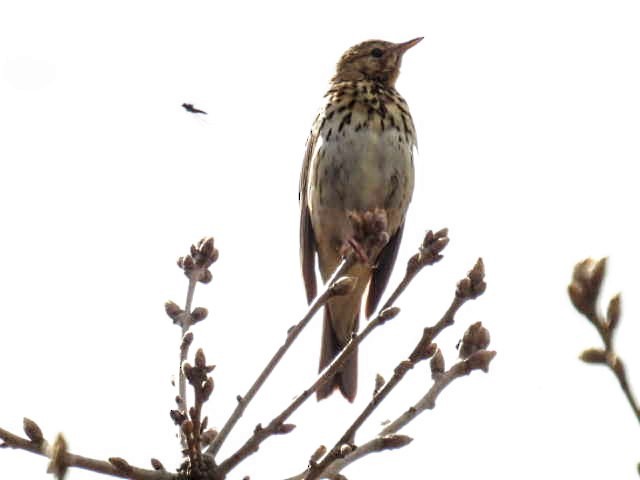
(528, 116)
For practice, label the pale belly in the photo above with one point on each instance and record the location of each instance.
(359, 171)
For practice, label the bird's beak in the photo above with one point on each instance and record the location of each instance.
(403, 47)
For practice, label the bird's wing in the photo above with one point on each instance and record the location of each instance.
(307, 237)
(382, 271)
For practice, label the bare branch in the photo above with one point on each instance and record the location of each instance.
(260, 434)
(195, 266)
(429, 252)
(335, 286)
(65, 459)
(584, 292)
(468, 288)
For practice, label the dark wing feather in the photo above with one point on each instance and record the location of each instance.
(382, 272)
(307, 237)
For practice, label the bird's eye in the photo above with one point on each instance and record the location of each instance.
(376, 52)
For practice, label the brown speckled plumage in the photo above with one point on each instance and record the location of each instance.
(359, 157)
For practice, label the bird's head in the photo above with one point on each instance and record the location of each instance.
(375, 60)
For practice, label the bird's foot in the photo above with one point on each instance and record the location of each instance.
(358, 250)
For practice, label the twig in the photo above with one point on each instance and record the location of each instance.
(195, 266)
(117, 467)
(329, 291)
(388, 438)
(468, 288)
(277, 425)
(429, 253)
(184, 350)
(477, 361)
(584, 292)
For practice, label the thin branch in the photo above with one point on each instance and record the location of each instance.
(184, 352)
(276, 425)
(468, 288)
(584, 292)
(429, 253)
(86, 463)
(243, 402)
(195, 266)
(479, 360)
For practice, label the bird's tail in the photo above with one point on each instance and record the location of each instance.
(347, 377)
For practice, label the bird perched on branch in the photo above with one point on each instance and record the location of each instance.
(359, 158)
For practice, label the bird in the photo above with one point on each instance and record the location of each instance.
(190, 108)
(358, 158)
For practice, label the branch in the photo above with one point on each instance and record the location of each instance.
(477, 361)
(61, 459)
(277, 425)
(429, 253)
(468, 288)
(337, 285)
(584, 292)
(370, 235)
(195, 266)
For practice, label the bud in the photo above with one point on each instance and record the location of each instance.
(206, 253)
(594, 355)
(201, 361)
(32, 430)
(318, 454)
(480, 360)
(394, 441)
(284, 428)
(187, 427)
(476, 274)
(473, 285)
(437, 364)
(172, 309)
(586, 283)
(186, 262)
(388, 313)
(430, 250)
(475, 338)
(205, 277)
(198, 314)
(157, 465)
(121, 465)
(205, 247)
(613, 312)
(578, 298)
(597, 275)
(177, 416)
(423, 350)
(379, 383)
(207, 388)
